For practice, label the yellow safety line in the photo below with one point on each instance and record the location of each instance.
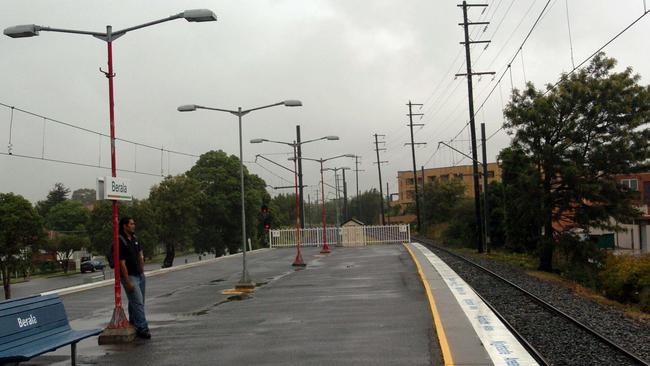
(442, 338)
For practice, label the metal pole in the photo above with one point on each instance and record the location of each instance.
(470, 94)
(326, 248)
(336, 197)
(356, 170)
(300, 186)
(415, 177)
(381, 190)
(388, 203)
(245, 281)
(486, 211)
(345, 198)
(118, 319)
(298, 262)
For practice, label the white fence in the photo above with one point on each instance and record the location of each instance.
(352, 236)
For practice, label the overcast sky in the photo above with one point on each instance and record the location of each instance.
(353, 64)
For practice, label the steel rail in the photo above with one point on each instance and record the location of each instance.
(545, 304)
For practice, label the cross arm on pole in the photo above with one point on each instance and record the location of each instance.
(458, 151)
(273, 162)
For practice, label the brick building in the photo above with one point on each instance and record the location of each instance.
(406, 182)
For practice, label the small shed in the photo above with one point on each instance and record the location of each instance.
(352, 233)
(352, 222)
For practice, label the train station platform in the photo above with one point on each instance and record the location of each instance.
(372, 305)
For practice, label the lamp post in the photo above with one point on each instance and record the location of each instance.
(245, 283)
(118, 320)
(298, 261)
(326, 248)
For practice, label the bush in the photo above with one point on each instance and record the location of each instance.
(627, 279)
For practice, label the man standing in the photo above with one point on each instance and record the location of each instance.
(132, 268)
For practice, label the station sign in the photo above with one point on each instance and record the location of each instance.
(114, 188)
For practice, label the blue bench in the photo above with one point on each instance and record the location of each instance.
(35, 325)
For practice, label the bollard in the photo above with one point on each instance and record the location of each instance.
(185, 260)
(199, 257)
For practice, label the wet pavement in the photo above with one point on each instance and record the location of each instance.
(39, 285)
(355, 306)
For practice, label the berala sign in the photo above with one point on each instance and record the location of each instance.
(114, 188)
(25, 322)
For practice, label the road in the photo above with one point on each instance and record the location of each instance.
(43, 284)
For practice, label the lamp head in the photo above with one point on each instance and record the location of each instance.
(21, 31)
(199, 15)
(292, 103)
(350, 156)
(331, 138)
(187, 108)
(257, 141)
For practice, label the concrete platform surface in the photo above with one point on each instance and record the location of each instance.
(355, 306)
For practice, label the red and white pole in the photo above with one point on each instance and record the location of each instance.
(326, 248)
(298, 262)
(119, 319)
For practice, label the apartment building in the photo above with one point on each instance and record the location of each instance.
(406, 181)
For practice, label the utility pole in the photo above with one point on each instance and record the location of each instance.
(379, 162)
(388, 203)
(486, 210)
(357, 170)
(415, 175)
(345, 197)
(470, 94)
(300, 186)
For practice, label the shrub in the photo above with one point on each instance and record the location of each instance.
(627, 279)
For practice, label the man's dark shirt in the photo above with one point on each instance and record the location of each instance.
(130, 252)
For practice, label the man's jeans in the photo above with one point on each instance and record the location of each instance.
(136, 302)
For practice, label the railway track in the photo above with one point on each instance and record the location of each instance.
(553, 336)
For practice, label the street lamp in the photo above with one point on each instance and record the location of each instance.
(245, 283)
(326, 248)
(298, 262)
(118, 320)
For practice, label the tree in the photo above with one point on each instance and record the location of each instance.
(521, 201)
(57, 195)
(220, 208)
(20, 227)
(86, 196)
(439, 199)
(175, 202)
(100, 226)
(68, 220)
(366, 208)
(283, 210)
(579, 135)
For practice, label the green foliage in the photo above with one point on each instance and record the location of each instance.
(521, 201)
(578, 136)
(64, 245)
(579, 258)
(462, 224)
(220, 207)
(175, 202)
(283, 211)
(67, 216)
(57, 195)
(20, 227)
(627, 278)
(366, 208)
(100, 227)
(86, 196)
(439, 200)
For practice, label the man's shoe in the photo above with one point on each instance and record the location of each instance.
(143, 334)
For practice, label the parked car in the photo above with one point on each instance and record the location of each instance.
(92, 266)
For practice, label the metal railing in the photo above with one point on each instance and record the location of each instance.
(350, 236)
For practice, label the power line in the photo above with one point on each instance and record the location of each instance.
(67, 124)
(77, 164)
